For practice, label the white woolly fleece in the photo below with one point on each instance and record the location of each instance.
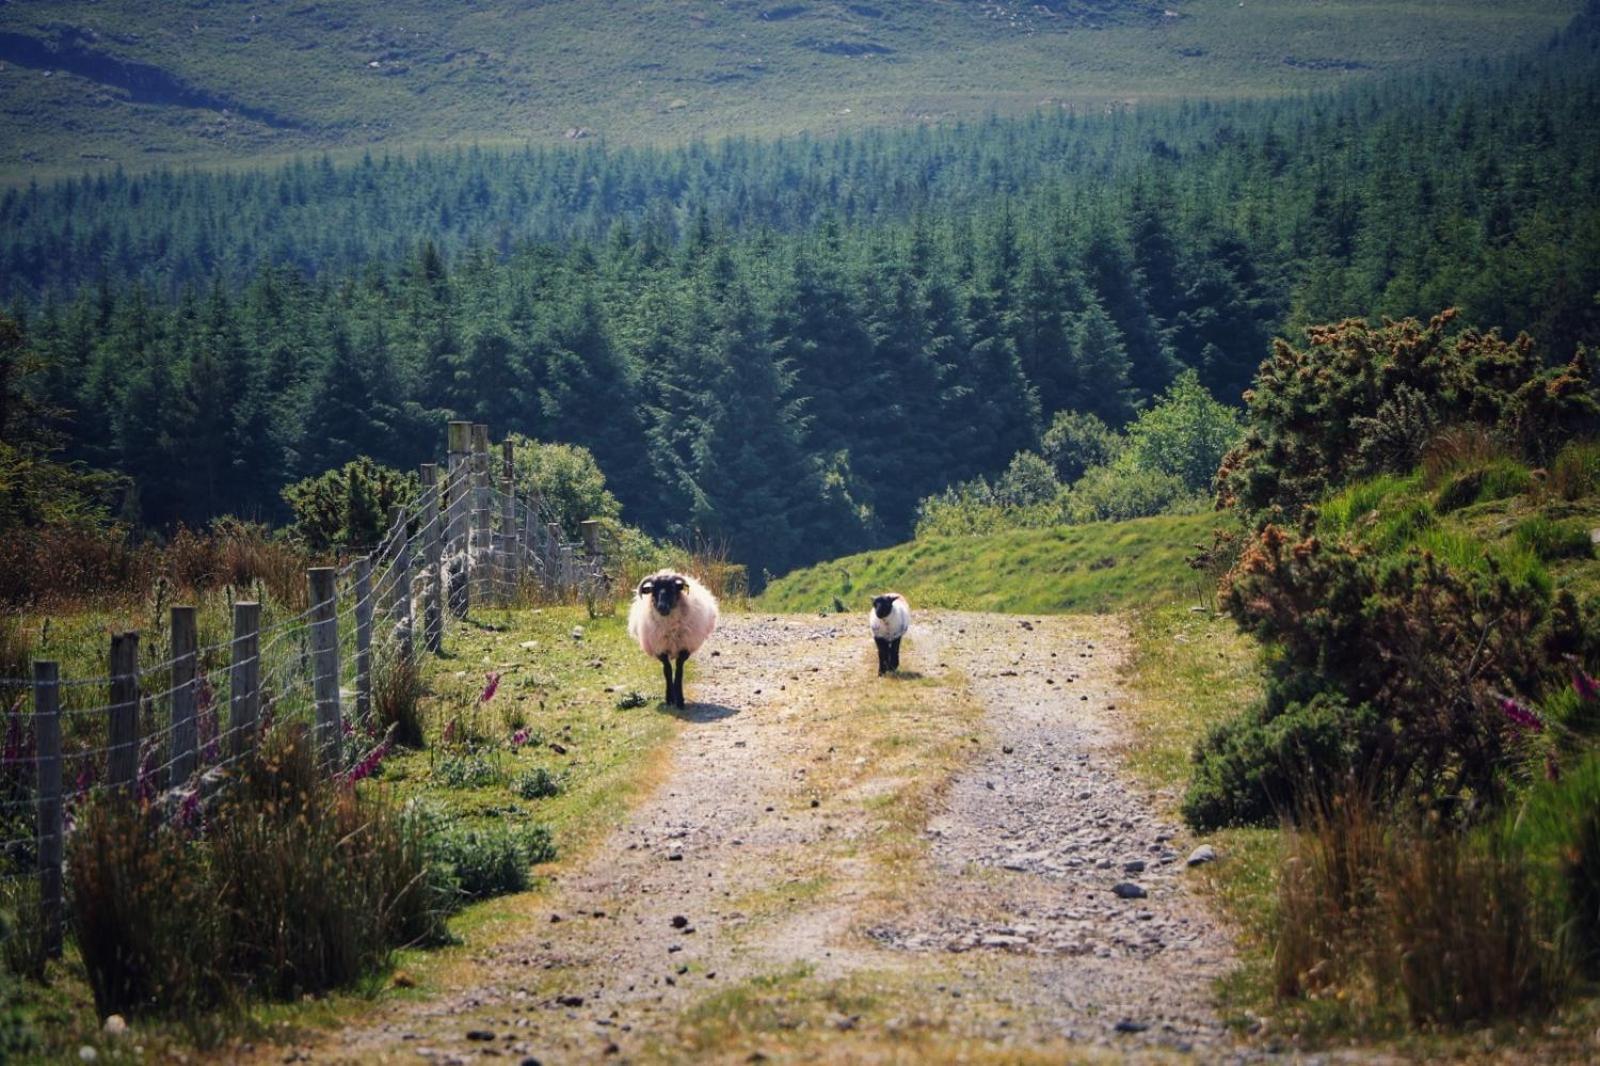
(685, 629)
(895, 626)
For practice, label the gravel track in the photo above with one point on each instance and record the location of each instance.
(1033, 836)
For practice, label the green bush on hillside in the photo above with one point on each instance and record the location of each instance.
(1361, 400)
(1404, 659)
(347, 507)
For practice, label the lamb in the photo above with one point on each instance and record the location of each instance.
(671, 616)
(889, 620)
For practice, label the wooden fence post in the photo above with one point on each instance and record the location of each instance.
(432, 555)
(482, 512)
(363, 638)
(325, 663)
(123, 759)
(244, 677)
(458, 477)
(552, 551)
(185, 736)
(52, 826)
(400, 605)
(510, 564)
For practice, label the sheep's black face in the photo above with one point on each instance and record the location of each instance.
(882, 605)
(664, 590)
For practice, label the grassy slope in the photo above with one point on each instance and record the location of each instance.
(664, 70)
(1105, 566)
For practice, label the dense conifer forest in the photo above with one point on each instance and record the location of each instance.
(785, 345)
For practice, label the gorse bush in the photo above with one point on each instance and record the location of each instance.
(1397, 665)
(347, 507)
(1316, 414)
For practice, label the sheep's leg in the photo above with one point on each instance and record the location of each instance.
(894, 655)
(683, 657)
(666, 671)
(883, 655)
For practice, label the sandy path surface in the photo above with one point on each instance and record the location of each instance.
(1016, 938)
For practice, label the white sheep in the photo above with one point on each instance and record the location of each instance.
(889, 619)
(672, 615)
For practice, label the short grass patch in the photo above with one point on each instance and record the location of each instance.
(1092, 568)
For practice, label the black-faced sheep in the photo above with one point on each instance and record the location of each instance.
(890, 618)
(672, 615)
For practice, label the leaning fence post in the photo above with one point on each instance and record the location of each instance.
(458, 519)
(185, 738)
(400, 600)
(123, 760)
(244, 677)
(432, 556)
(47, 738)
(363, 638)
(325, 662)
(482, 535)
(510, 564)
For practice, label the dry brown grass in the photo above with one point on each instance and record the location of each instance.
(1389, 923)
(62, 568)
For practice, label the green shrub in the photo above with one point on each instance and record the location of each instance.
(1120, 492)
(1549, 539)
(537, 783)
(492, 862)
(1404, 640)
(470, 769)
(1076, 441)
(1249, 771)
(1183, 435)
(1313, 409)
(348, 506)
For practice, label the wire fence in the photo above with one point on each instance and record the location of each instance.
(167, 732)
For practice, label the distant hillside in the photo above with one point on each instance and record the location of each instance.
(141, 82)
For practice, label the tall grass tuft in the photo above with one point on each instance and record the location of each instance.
(1575, 473)
(295, 884)
(1414, 921)
(397, 691)
(145, 914)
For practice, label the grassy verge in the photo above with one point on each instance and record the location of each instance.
(1192, 670)
(1099, 567)
(566, 695)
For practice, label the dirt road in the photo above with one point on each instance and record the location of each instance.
(854, 868)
